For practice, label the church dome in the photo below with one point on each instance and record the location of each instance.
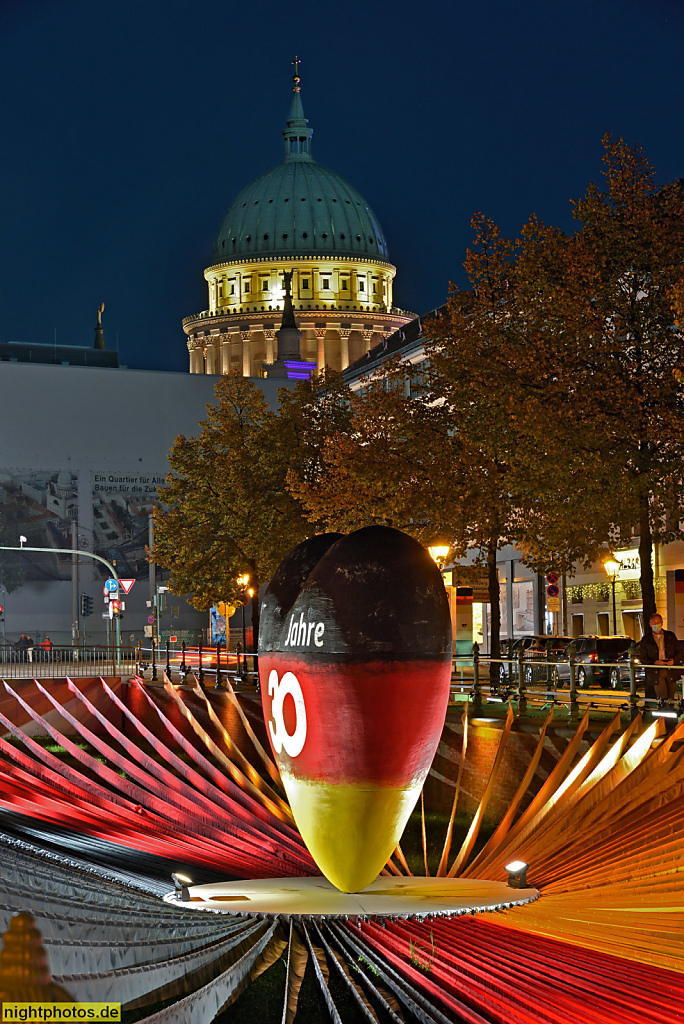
(299, 208)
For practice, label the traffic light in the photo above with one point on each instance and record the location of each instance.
(115, 608)
(86, 605)
(2, 611)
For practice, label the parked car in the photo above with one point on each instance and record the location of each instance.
(591, 655)
(537, 655)
(619, 678)
(511, 649)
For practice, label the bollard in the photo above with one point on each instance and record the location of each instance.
(238, 661)
(200, 666)
(168, 658)
(183, 666)
(633, 709)
(477, 693)
(548, 665)
(574, 706)
(522, 699)
(219, 684)
(154, 661)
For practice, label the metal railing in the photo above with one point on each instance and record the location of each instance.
(54, 662)
(210, 666)
(473, 676)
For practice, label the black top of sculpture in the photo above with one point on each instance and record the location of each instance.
(373, 593)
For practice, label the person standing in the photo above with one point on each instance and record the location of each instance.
(22, 647)
(661, 648)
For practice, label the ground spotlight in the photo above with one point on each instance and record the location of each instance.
(517, 874)
(181, 883)
(665, 710)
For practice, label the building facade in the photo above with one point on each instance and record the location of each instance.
(302, 217)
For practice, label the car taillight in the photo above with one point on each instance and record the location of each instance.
(593, 656)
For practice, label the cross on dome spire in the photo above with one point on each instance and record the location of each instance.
(297, 135)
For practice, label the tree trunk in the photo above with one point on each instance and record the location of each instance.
(646, 563)
(494, 601)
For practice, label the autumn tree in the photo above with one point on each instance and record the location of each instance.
(225, 509)
(605, 299)
(473, 447)
(502, 402)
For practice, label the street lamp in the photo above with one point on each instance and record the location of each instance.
(243, 581)
(612, 567)
(439, 553)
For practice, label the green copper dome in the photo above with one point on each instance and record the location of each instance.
(299, 208)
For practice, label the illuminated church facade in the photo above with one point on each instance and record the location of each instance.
(302, 217)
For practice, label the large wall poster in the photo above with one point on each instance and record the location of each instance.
(111, 511)
(40, 506)
(121, 507)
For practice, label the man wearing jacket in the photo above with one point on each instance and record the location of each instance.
(660, 647)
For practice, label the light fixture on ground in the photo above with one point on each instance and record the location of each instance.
(666, 712)
(22, 540)
(181, 883)
(612, 567)
(517, 874)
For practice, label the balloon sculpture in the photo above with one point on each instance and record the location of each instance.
(354, 664)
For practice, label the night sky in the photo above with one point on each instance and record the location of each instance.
(129, 127)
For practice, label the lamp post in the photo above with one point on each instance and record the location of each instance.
(612, 567)
(247, 593)
(83, 554)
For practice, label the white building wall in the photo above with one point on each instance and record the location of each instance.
(112, 430)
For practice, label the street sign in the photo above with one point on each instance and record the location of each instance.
(111, 586)
(553, 590)
(552, 577)
(173, 639)
(150, 619)
(553, 604)
(126, 585)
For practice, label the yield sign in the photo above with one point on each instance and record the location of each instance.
(126, 585)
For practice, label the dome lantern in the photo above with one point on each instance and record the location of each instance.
(297, 135)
